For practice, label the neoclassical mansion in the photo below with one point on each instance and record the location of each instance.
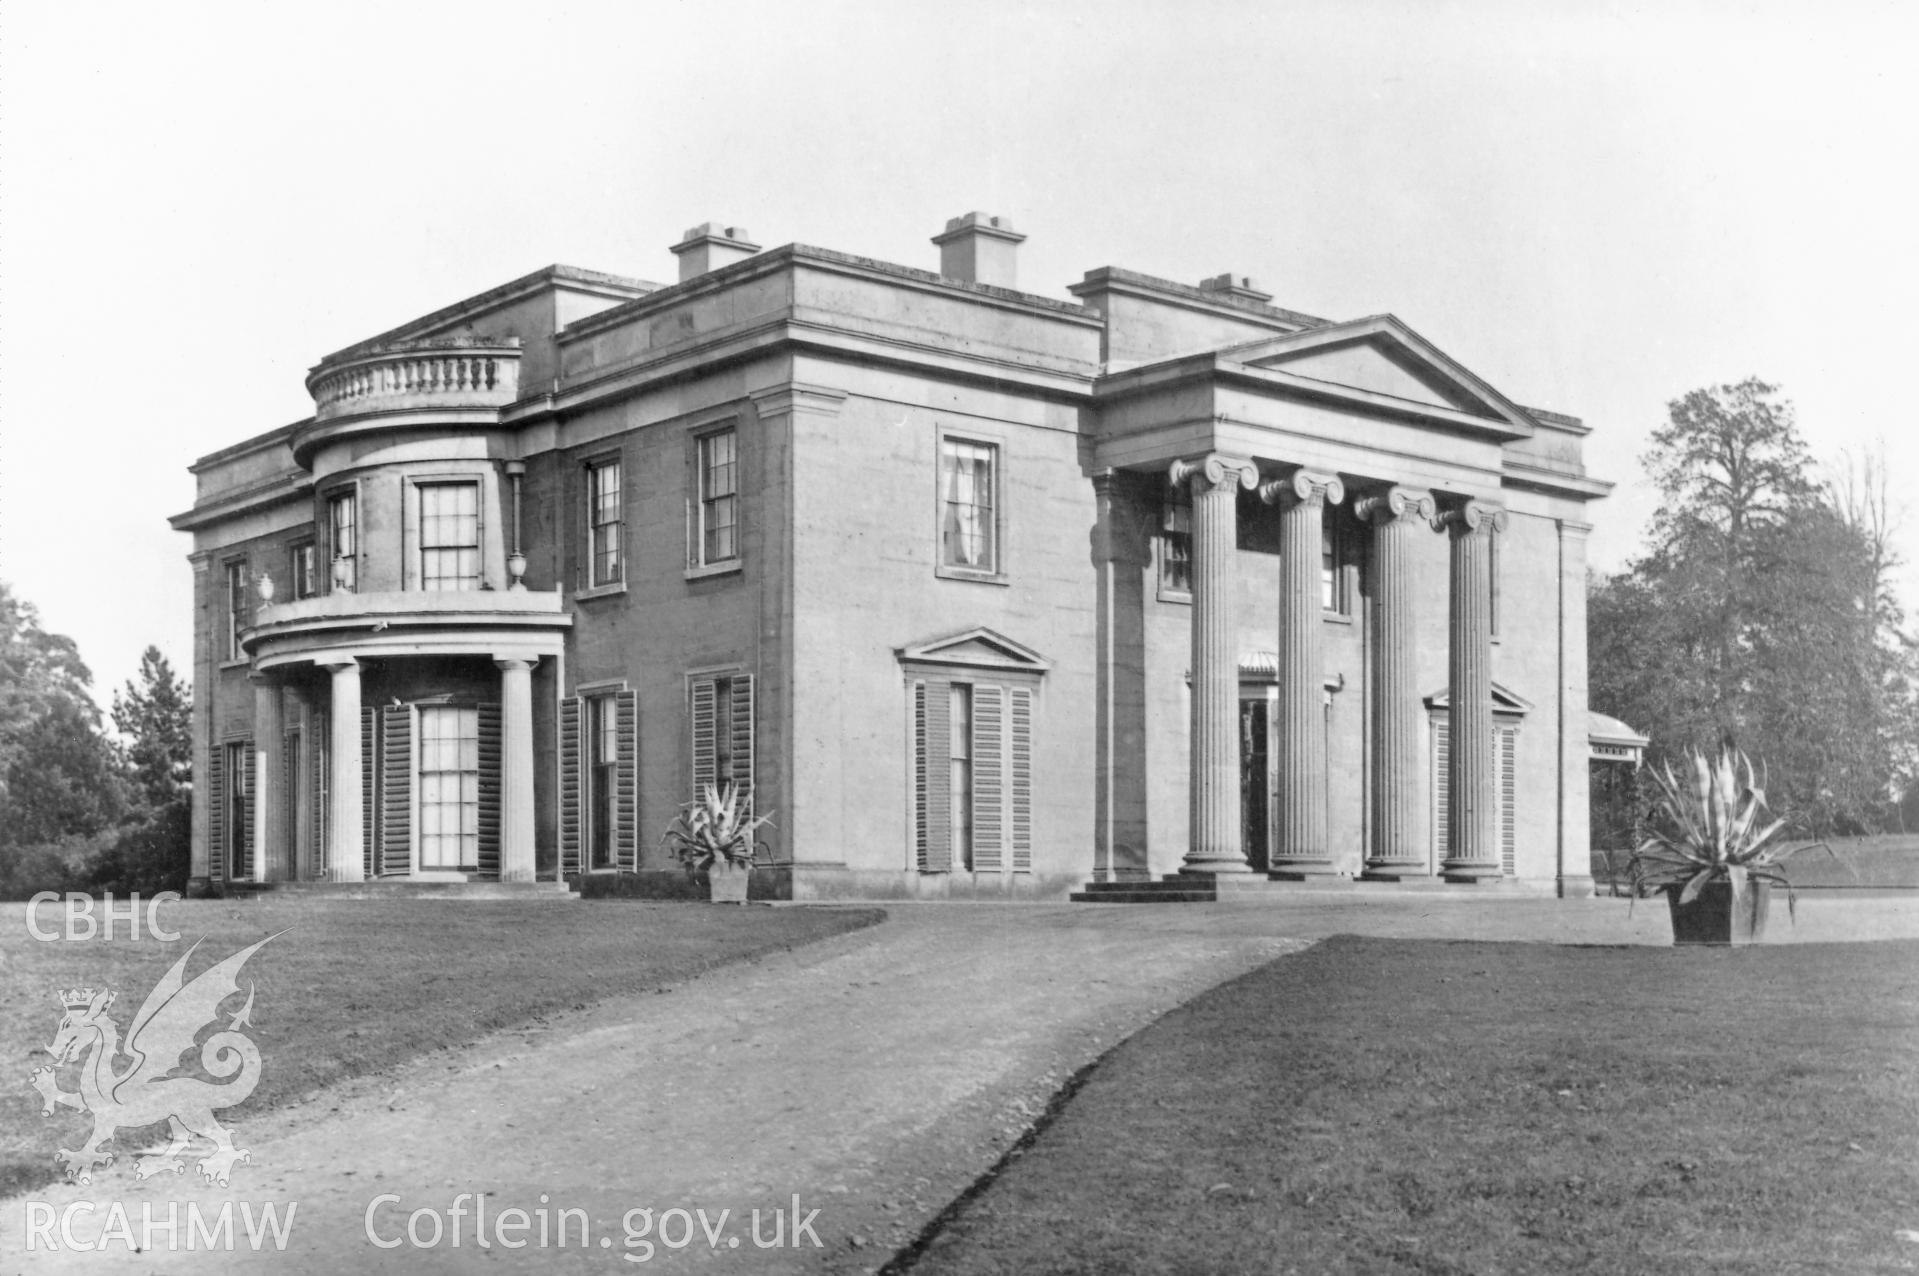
(976, 592)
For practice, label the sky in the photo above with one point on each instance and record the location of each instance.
(1595, 206)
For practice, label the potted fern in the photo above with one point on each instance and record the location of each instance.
(1713, 850)
(714, 836)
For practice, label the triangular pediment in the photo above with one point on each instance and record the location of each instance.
(1505, 700)
(1381, 356)
(977, 648)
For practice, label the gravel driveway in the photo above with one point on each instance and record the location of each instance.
(873, 1076)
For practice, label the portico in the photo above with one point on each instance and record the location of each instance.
(1385, 482)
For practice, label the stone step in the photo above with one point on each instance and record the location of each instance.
(1142, 897)
(552, 892)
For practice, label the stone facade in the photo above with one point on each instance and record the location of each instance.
(976, 592)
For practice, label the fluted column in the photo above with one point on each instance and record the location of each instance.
(269, 804)
(1214, 844)
(1301, 845)
(1472, 816)
(516, 770)
(344, 831)
(1398, 517)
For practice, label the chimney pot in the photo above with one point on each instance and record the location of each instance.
(979, 248)
(709, 245)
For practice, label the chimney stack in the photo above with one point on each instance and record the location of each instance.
(979, 249)
(1237, 287)
(709, 246)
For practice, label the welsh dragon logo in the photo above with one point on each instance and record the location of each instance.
(147, 1091)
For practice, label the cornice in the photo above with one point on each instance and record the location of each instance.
(1520, 474)
(286, 486)
(246, 447)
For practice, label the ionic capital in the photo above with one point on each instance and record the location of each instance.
(1396, 503)
(506, 664)
(1471, 516)
(1303, 485)
(1216, 472)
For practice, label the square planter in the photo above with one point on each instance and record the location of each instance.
(727, 885)
(1712, 919)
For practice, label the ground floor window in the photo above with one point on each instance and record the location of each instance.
(236, 826)
(1505, 789)
(449, 771)
(599, 781)
(722, 745)
(972, 742)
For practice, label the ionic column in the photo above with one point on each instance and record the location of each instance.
(516, 770)
(269, 734)
(1398, 516)
(1301, 844)
(1472, 817)
(344, 850)
(1214, 842)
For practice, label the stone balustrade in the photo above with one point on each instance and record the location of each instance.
(417, 374)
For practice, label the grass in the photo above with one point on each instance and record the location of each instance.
(1885, 861)
(361, 986)
(1382, 1106)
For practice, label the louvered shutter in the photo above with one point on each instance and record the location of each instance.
(396, 793)
(704, 743)
(489, 729)
(285, 858)
(1022, 780)
(570, 742)
(369, 789)
(216, 813)
(939, 786)
(1508, 748)
(319, 795)
(741, 732)
(921, 835)
(989, 778)
(626, 818)
(249, 766)
(1442, 787)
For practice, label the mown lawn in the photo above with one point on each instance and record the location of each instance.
(1380, 1106)
(359, 986)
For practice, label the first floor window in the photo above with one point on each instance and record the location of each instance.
(967, 483)
(449, 786)
(343, 525)
(719, 498)
(972, 743)
(1176, 544)
(236, 607)
(300, 569)
(449, 536)
(604, 523)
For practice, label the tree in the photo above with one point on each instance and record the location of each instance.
(38, 671)
(1761, 613)
(156, 718)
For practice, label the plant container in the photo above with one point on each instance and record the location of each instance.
(1711, 918)
(726, 884)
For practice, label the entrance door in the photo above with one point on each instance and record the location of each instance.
(1255, 783)
(449, 787)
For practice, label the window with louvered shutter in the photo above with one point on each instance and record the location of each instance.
(740, 731)
(1508, 749)
(921, 834)
(721, 711)
(396, 791)
(1022, 779)
(369, 789)
(705, 736)
(490, 780)
(627, 806)
(244, 809)
(216, 814)
(571, 713)
(1441, 785)
(989, 778)
(319, 793)
(937, 766)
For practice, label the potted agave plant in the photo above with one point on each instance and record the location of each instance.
(1713, 850)
(714, 836)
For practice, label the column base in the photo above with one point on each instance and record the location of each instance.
(516, 874)
(1214, 868)
(345, 874)
(1472, 873)
(1298, 870)
(1393, 872)
(1577, 888)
